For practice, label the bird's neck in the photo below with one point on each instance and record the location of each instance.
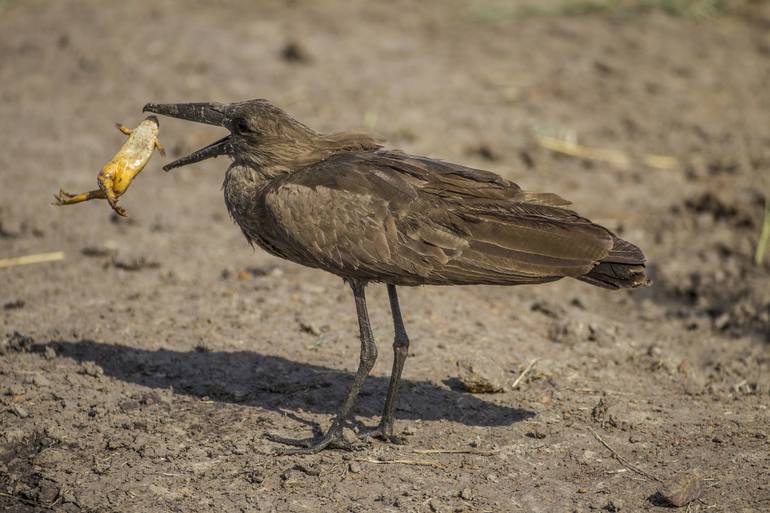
(250, 178)
(278, 155)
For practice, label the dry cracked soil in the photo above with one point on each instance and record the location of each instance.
(141, 372)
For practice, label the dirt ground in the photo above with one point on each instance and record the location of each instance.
(141, 372)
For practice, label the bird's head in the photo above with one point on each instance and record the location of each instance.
(261, 134)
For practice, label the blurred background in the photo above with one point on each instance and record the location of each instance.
(651, 116)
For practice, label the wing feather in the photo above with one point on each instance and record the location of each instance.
(387, 216)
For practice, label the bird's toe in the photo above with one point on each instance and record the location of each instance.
(331, 440)
(384, 433)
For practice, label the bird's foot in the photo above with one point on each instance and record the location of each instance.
(331, 440)
(385, 433)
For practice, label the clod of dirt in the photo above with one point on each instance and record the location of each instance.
(466, 494)
(571, 332)
(526, 159)
(354, 467)
(548, 309)
(16, 343)
(613, 505)
(248, 273)
(49, 353)
(135, 264)
(601, 415)
(108, 249)
(37, 380)
(683, 490)
(20, 412)
(349, 436)
(20, 473)
(480, 376)
(721, 208)
(309, 327)
(254, 476)
(434, 506)
(90, 369)
(14, 305)
(693, 382)
(295, 53)
(307, 469)
(483, 151)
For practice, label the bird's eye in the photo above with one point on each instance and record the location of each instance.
(241, 126)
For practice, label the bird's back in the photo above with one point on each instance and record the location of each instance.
(386, 216)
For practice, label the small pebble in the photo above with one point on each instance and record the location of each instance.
(354, 467)
(39, 380)
(90, 369)
(466, 494)
(255, 477)
(681, 491)
(349, 436)
(19, 411)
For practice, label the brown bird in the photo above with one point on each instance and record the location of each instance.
(342, 203)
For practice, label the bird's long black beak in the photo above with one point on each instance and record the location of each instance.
(208, 113)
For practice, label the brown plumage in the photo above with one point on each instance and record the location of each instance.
(344, 204)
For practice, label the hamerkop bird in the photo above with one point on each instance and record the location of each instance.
(342, 203)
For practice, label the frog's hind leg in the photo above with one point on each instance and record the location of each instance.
(160, 148)
(111, 197)
(124, 129)
(65, 198)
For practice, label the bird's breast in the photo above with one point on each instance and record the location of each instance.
(244, 191)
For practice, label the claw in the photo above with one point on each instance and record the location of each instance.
(384, 433)
(331, 440)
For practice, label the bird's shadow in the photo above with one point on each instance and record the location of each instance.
(275, 383)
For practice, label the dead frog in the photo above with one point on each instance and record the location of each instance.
(118, 173)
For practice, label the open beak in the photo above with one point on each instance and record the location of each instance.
(209, 113)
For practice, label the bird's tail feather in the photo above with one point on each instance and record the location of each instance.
(622, 268)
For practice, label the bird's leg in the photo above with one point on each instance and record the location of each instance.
(400, 352)
(333, 437)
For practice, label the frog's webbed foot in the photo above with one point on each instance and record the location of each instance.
(62, 198)
(120, 211)
(160, 148)
(113, 201)
(123, 129)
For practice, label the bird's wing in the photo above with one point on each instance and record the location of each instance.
(392, 217)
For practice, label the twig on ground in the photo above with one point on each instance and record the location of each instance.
(31, 259)
(612, 156)
(455, 451)
(597, 391)
(424, 463)
(618, 158)
(665, 162)
(523, 374)
(622, 461)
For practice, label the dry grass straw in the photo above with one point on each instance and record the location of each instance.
(31, 259)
